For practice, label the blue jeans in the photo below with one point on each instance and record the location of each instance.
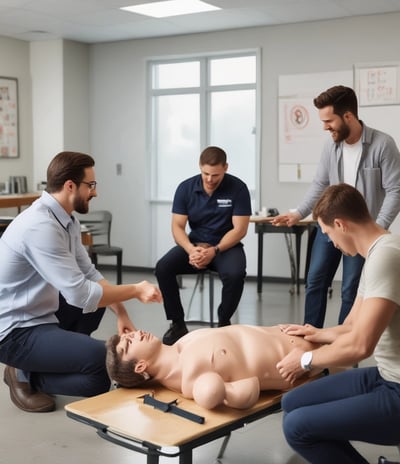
(322, 417)
(60, 359)
(325, 259)
(230, 265)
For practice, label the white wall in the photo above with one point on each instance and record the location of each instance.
(118, 119)
(47, 102)
(60, 93)
(14, 62)
(76, 133)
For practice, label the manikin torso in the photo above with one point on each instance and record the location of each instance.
(234, 352)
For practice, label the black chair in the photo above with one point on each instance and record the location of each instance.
(98, 223)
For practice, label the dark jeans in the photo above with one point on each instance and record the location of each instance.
(325, 259)
(322, 417)
(60, 359)
(230, 265)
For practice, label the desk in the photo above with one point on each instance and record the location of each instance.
(17, 200)
(263, 226)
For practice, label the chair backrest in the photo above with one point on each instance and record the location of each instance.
(98, 224)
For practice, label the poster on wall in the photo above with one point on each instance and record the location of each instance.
(377, 84)
(9, 117)
(301, 135)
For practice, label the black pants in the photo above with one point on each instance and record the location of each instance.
(230, 265)
(60, 358)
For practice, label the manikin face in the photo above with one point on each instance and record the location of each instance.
(85, 192)
(335, 124)
(339, 237)
(138, 345)
(212, 176)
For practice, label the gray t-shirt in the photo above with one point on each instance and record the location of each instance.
(381, 279)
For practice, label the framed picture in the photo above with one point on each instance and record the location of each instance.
(9, 147)
(377, 84)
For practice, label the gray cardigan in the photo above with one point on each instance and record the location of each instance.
(378, 175)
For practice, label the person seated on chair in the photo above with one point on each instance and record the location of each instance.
(217, 207)
(227, 365)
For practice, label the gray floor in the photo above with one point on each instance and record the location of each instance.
(53, 438)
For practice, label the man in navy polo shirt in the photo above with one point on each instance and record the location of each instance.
(217, 207)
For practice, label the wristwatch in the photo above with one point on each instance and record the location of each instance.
(306, 360)
(216, 249)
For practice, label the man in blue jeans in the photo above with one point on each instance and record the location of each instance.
(217, 208)
(52, 297)
(362, 157)
(323, 418)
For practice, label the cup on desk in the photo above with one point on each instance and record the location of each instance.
(263, 212)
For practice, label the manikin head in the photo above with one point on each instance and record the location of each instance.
(128, 356)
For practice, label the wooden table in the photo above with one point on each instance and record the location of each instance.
(16, 200)
(121, 417)
(263, 226)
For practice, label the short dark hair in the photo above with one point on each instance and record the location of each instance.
(341, 201)
(119, 371)
(67, 165)
(213, 156)
(342, 99)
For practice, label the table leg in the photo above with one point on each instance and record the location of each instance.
(152, 459)
(186, 457)
(298, 250)
(260, 261)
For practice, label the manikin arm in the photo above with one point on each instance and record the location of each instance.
(210, 390)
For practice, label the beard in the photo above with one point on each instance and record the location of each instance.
(81, 206)
(342, 133)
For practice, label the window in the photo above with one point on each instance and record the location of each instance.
(201, 101)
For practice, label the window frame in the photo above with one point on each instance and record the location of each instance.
(205, 91)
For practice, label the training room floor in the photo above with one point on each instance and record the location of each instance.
(53, 438)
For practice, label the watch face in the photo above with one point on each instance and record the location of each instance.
(306, 360)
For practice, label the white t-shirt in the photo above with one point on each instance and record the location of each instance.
(380, 278)
(351, 160)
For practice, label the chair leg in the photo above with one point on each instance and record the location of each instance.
(211, 296)
(93, 257)
(119, 269)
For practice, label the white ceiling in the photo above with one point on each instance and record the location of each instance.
(94, 21)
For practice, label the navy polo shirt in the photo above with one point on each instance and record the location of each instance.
(210, 217)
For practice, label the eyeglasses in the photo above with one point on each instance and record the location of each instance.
(92, 185)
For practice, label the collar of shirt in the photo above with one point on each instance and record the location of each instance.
(199, 184)
(59, 212)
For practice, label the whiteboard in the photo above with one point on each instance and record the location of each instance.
(301, 137)
(384, 118)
